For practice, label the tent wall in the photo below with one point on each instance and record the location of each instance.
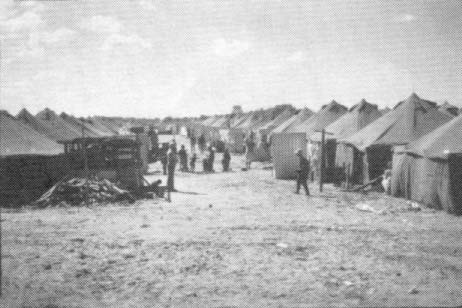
(433, 182)
(25, 178)
(283, 149)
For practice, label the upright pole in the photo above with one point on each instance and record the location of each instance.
(85, 162)
(321, 171)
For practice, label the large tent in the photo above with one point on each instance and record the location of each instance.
(431, 169)
(104, 125)
(328, 114)
(278, 120)
(29, 161)
(20, 139)
(359, 116)
(88, 128)
(293, 121)
(372, 147)
(58, 127)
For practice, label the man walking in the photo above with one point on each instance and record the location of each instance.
(302, 173)
(171, 164)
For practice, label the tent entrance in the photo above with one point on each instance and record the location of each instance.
(455, 177)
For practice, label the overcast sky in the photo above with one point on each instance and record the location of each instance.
(155, 58)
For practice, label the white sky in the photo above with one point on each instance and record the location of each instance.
(150, 58)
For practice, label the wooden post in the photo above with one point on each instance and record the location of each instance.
(85, 163)
(321, 165)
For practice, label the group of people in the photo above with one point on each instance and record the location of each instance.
(172, 157)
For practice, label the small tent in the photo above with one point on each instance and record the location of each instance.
(431, 170)
(372, 147)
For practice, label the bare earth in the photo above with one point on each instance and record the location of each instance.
(238, 239)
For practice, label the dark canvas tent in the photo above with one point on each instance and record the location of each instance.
(372, 146)
(29, 161)
(430, 171)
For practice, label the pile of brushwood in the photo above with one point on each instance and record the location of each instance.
(81, 191)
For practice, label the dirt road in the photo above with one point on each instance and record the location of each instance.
(238, 239)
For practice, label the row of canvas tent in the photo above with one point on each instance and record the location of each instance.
(364, 141)
(31, 150)
(232, 129)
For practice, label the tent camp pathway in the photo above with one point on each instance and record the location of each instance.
(234, 239)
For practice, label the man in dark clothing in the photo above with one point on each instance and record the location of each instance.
(163, 157)
(201, 142)
(302, 173)
(183, 155)
(211, 159)
(171, 164)
(226, 160)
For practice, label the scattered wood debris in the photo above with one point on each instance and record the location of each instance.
(80, 191)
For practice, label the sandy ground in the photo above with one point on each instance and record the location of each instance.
(237, 239)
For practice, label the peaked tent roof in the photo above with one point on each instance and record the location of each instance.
(61, 128)
(20, 139)
(221, 122)
(90, 130)
(237, 122)
(444, 140)
(42, 127)
(106, 126)
(328, 114)
(210, 120)
(450, 109)
(409, 120)
(359, 116)
(293, 121)
(282, 117)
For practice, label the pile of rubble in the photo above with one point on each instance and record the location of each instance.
(80, 191)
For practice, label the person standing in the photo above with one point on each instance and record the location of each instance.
(193, 141)
(171, 164)
(249, 149)
(164, 157)
(183, 155)
(211, 159)
(192, 162)
(302, 173)
(226, 160)
(201, 143)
